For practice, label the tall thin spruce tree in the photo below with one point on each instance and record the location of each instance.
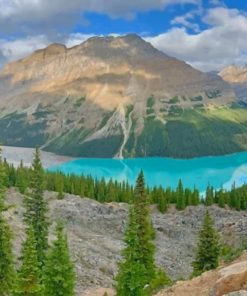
(28, 279)
(180, 205)
(208, 249)
(59, 276)
(144, 229)
(7, 272)
(138, 274)
(131, 278)
(36, 208)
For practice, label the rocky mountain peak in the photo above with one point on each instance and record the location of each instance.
(119, 46)
(234, 74)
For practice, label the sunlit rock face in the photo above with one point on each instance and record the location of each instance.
(100, 92)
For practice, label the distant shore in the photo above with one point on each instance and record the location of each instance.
(14, 155)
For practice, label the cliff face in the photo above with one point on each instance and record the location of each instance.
(99, 93)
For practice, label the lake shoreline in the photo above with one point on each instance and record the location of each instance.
(14, 155)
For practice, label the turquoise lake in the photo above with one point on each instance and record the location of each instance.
(199, 172)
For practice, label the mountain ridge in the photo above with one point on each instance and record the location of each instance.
(71, 101)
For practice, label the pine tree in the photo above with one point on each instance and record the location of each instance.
(21, 181)
(131, 278)
(28, 280)
(59, 277)
(7, 273)
(36, 208)
(195, 199)
(138, 274)
(180, 196)
(208, 250)
(145, 230)
(221, 200)
(209, 200)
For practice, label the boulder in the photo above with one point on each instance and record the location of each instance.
(232, 278)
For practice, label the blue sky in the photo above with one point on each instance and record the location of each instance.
(208, 34)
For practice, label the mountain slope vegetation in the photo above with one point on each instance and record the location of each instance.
(114, 97)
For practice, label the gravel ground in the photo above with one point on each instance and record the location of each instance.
(95, 233)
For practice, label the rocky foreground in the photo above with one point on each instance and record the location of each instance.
(95, 233)
(228, 280)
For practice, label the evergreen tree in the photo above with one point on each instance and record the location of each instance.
(208, 250)
(59, 277)
(180, 196)
(36, 208)
(131, 277)
(138, 274)
(195, 199)
(28, 280)
(209, 200)
(162, 204)
(221, 200)
(7, 273)
(144, 230)
(21, 181)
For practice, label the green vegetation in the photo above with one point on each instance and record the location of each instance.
(16, 131)
(113, 191)
(48, 270)
(174, 100)
(106, 117)
(150, 105)
(29, 275)
(7, 273)
(230, 253)
(213, 94)
(194, 133)
(80, 101)
(196, 99)
(208, 249)
(37, 208)
(138, 275)
(59, 277)
(129, 109)
(42, 270)
(72, 144)
(176, 111)
(150, 102)
(186, 133)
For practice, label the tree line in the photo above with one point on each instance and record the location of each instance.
(113, 191)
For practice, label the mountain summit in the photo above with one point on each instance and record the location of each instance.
(110, 96)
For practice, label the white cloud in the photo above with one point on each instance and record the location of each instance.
(16, 49)
(44, 15)
(76, 38)
(223, 43)
(187, 20)
(11, 50)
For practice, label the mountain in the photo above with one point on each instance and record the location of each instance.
(117, 97)
(234, 74)
(237, 77)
